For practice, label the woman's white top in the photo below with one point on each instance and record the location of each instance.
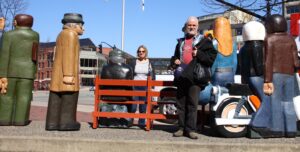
(141, 70)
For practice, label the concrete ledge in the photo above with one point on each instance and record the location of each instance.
(35, 144)
(34, 138)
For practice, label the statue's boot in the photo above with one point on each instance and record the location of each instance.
(68, 112)
(53, 111)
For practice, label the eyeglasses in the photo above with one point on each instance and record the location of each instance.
(141, 51)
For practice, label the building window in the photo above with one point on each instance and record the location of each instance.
(87, 81)
(88, 62)
(293, 9)
(239, 31)
(88, 72)
(48, 76)
(50, 56)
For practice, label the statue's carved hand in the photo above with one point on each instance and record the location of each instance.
(4, 83)
(268, 88)
(69, 80)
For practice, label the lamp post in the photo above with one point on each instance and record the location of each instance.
(123, 21)
(101, 57)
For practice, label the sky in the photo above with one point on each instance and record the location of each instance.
(157, 27)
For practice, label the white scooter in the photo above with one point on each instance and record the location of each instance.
(232, 109)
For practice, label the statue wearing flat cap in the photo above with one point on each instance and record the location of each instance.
(64, 85)
(18, 58)
(117, 69)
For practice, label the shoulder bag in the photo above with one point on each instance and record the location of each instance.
(201, 73)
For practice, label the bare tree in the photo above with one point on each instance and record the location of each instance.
(9, 8)
(258, 8)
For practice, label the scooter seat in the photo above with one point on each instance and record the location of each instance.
(239, 89)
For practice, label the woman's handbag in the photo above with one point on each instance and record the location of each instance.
(201, 74)
(178, 71)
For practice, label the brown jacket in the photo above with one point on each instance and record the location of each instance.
(66, 61)
(280, 55)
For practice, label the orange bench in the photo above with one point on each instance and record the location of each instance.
(149, 93)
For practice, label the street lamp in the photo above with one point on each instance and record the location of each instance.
(101, 59)
(123, 20)
(100, 46)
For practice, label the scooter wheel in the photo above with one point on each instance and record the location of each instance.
(227, 110)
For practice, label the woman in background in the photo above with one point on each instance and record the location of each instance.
(141, 69)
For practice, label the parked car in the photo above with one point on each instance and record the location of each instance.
(92, 88)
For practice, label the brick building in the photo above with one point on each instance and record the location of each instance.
(89, 63)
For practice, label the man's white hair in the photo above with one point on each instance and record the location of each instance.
(192, 18)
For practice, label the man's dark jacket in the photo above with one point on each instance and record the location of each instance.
(206, 54)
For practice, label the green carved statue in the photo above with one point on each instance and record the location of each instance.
(18, 58)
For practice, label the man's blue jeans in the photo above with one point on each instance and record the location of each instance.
(262, 118)
(283, 112)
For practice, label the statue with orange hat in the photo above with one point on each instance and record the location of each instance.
(225, 64)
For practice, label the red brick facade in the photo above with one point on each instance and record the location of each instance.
(45, 63)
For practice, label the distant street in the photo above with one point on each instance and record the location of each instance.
(86, 97)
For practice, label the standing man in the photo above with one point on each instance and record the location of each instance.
(18, 58)
(64, 85)
(186, 56)
(281, 60)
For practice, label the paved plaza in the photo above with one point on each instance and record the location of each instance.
(34, 137)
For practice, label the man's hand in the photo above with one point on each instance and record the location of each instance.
(268, 88)
(4, 83)
(177, 61)
(69, 80)
(194, 53)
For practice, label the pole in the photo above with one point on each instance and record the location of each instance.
(241, 9)
(268, 8)
(123, 20)
(283, 8)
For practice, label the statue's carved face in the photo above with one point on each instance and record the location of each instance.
(77, 27)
